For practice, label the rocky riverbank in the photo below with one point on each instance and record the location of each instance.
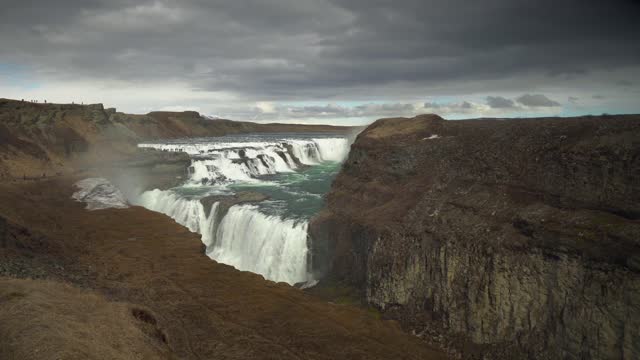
(514, 238)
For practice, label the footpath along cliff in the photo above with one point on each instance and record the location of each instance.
(515, 238)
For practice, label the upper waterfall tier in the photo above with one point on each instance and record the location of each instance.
(236, 159)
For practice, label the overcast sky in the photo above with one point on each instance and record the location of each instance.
(326, 61)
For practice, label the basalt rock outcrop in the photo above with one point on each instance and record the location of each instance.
(520, 236)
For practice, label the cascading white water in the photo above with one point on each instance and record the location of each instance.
(226, 162)
(252, 241)
(187, 212)
(239, 165)
(333, 149)
(245, 237)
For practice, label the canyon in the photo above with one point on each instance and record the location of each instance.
(131, 283)
(483, 238)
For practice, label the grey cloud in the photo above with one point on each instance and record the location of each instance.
(525, 100)
(370, 110)
(387, 107)
(319, 110)
(431, 105)
(365, 110)
(499, 102)
(285, 50)
(456, 108)
(573, 99)
(598, 97)
(536, 100)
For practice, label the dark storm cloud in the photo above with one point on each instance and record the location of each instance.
(536, 100)
(297, 49)
(523, 102)
(499, 102)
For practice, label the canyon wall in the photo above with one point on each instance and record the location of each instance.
(519, 236)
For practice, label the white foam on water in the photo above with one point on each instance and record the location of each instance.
(333, 149)
(252, 241)
(187, 212)
(227, 162)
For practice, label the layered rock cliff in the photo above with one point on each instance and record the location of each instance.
(520, 236)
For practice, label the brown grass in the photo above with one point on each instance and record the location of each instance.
(49, 320)
(401, 126)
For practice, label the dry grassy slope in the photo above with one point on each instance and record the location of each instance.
(138, 259)
(51, 138)
(50, 320)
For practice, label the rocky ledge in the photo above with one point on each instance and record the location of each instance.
(521, 237)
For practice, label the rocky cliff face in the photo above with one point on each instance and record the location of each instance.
(520, 236)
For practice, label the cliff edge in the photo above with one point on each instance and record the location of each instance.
(520, 236)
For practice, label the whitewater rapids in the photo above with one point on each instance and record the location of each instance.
(244, 236)
(229, 162)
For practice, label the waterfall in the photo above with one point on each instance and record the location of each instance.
(333, 149)
(229, 162)
(187, 212)
(244, 236)
(239, 165)
(250, 240)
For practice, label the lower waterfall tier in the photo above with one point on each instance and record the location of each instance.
(243, 237)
